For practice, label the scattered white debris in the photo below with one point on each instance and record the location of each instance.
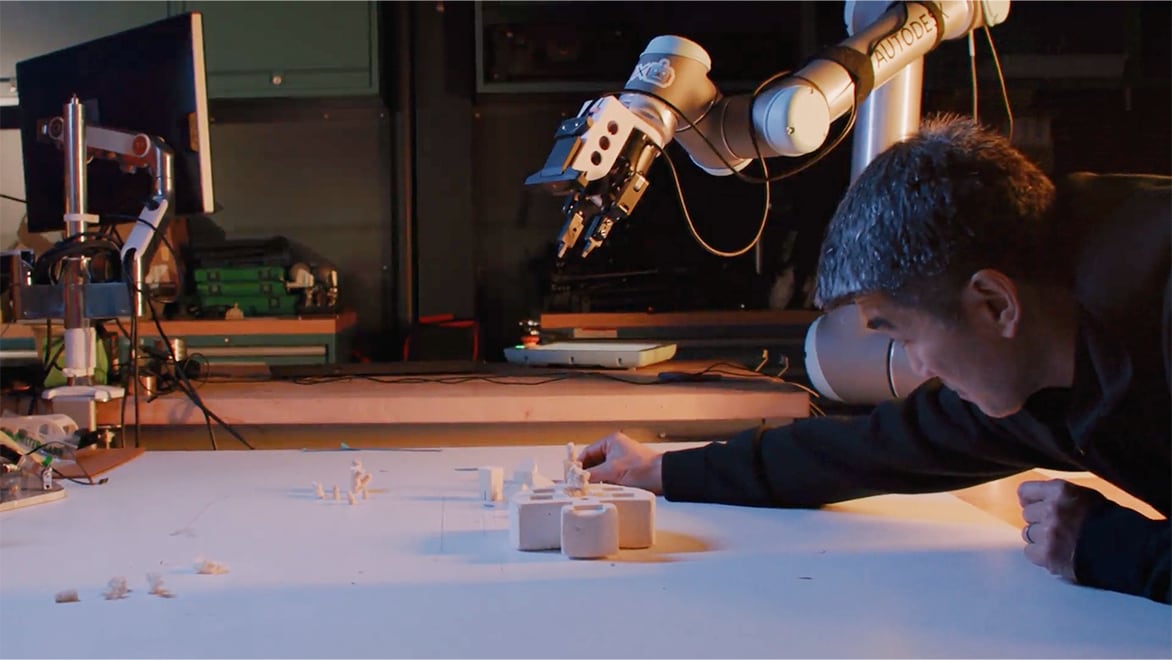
(209, 567)
(117, 589)
(67, 596)
(156, 582)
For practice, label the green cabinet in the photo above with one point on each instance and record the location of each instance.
(288, 49)
(28, 29)
(252, 49)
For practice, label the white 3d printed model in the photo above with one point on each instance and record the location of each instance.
(536, 518)
(590, 531)
(492, 482)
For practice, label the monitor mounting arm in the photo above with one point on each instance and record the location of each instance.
(131, 151)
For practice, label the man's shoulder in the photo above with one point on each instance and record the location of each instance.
(1131, 205)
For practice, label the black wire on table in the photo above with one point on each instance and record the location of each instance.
(73, 450)
(181, 380)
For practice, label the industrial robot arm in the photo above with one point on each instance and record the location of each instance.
(601, 157)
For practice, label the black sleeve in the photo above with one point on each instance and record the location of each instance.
(931, 441)
(1121, 550)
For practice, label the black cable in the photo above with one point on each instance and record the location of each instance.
(180, 284)
(184, 384)
(203, 368)
(826, 148)
(135, 379)
(129, 375)
(15, 199)
(86, 244)
(766, 179)
(73, 450)
(459, 379)
(816, 157)
(1000, 76)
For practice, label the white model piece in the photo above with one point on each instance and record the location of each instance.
(47, 478)
(157, 589)
(590, 531)
(526, 474)
(318, 491)
(569, 461)
(359, 479)
(67, 596)
(492, 483)
(577, 480)
(535, 516)
(209, 567)
(117, 589)
(356, 473)
(40, 430)
(337, 493)
(234, 314)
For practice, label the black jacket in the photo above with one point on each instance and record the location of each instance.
(1114, 421)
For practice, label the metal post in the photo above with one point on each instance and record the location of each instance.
(73, 278)
(889, 115)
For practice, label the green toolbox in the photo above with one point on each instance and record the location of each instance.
(252, 305)
(253, 288)
(240, 274)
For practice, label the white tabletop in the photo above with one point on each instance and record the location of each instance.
(425, 570)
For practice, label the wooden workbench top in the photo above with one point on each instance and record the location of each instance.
(480, 399)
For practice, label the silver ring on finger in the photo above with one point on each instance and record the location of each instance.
(1025, 533)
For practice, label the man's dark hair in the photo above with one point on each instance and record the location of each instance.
(932, 210)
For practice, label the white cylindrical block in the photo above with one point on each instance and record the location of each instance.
(492, 483)
(590, 531)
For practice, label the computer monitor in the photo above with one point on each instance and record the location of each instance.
(149, 80)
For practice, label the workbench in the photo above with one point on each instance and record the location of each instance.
(424, 569)
(504, 404)
(257, 340)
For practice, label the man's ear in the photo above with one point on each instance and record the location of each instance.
(991, 300)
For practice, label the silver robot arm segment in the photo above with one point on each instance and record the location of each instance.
(601, 157)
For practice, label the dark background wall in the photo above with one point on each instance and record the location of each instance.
(417, 195)
(1088, 84)
(319, 177)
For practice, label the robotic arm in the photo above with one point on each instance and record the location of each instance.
(601, 157)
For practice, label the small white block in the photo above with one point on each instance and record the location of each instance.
(590, 530)
(636, 513)
(535, 518)
(526, 474)
(492, 483)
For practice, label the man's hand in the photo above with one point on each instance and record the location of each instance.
(617, 459)
(1054, 512)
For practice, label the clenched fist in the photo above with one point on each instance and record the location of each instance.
(1054, 512)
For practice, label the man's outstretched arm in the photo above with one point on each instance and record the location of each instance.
(932, 441)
